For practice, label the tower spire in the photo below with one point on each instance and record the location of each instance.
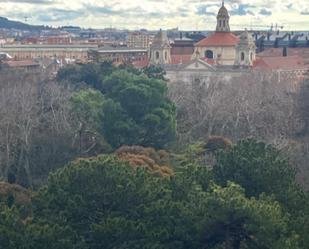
(223, 19)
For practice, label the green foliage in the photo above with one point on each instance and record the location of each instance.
(137, 110)
(154, 72)
(87, 107)
(143, 111)
(118, 128)
(261, 169)
(78, 75)
(87, 116)
(12, 230)
(233, 221)
(257, 167)
(107, 204)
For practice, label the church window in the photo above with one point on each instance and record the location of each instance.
(157, 55)
(220, 23)
(223, 23)
(251, 56)
(165, 56)
(209, 54)
(242, 56)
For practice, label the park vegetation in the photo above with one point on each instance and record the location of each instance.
(94, 159)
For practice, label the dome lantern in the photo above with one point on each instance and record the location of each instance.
(223, 20)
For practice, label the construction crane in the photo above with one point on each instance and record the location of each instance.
(272, 27)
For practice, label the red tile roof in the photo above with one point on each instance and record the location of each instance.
(179, 59)
(279, 51)
(219, 39)
(141, 64)
(276, 52)
(280, 63)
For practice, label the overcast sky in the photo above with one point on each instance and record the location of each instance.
(155, 14)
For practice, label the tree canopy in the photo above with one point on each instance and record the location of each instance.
(103, 202)
(122, 185)
(136, 109)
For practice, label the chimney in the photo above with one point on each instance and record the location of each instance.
(285, 52)
(268, 36)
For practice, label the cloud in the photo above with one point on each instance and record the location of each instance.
(59, 15)
(242, 10)
(155, 14)
(204, 10)
(104, 10)
(265, 12)
(43, 2)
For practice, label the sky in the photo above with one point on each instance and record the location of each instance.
(156, 14)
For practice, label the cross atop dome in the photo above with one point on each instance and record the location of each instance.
(223, 20)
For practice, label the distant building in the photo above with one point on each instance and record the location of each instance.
(65, 53)
(138, 40)
(122, 54)
(220, 47)
(278, 52)
(287, 64)
(182, 50)
(280, 39)
(229, 55)
(57, 40)
(195, 36)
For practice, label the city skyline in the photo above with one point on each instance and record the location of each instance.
(155, 14)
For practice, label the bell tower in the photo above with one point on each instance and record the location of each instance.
(223, 20)
(160, 50)
(245, 50)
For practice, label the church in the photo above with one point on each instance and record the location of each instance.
(222, 48)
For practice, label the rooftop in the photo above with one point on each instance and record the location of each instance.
(44, 47)
(280, 63)
(219, 39)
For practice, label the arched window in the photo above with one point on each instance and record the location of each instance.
(165, 55)
(157, 55)
(251, 56)
(223, 23)
(220, 23)
(242, 56)
(209, 54)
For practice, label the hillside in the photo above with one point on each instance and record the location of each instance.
(8, 24)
